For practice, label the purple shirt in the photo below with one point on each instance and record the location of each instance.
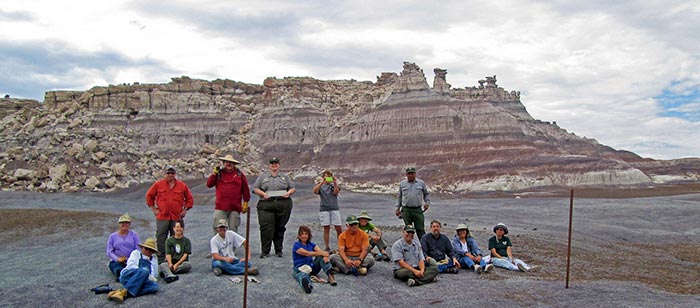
(118, 245)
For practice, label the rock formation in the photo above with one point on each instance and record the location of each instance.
(461, 140)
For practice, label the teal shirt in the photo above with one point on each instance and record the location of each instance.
(501, 246)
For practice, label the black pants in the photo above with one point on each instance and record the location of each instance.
(273, 216)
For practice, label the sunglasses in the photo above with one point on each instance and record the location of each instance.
(500, 229)
(170, 172)
(355, 224)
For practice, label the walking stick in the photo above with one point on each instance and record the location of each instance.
(247, 258)
(568, 253)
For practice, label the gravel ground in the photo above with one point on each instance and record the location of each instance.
(626, 253)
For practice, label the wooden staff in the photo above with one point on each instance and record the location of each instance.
(568, 253)
(247, 257)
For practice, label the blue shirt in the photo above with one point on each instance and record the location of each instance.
(300, 260)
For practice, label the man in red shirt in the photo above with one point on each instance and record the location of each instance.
(231, 187)
(169, 199)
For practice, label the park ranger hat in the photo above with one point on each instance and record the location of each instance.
(364, 215)
(274, 160)
(229, 158)
(150, 243)
(124, 218)
(409, 228)
(222, 223)
(411, 170)
(501, 225)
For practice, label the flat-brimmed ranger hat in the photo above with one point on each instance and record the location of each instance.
(229, 158)
(409, 228)
(462, 227)
(352, 219)
(411, 170)
(222, 223)
(149, 243)
(364, 215)
(274, 160)
(501, 225)
(124, 218)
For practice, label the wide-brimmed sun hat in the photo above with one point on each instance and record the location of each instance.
(149, 243)
(364, 215)
(501, 225)
(229, 158)
(462, 227)
(222, 223)
(124, 218)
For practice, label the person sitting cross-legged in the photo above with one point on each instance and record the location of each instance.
(353, 254)
(438, 248)
(223, 258)
(408, 261)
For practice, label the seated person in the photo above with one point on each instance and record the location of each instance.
(139, 275)
(120, 245)
(353, 247)
(309, 259)
(409, 262)
(178, 249)
(223, 259)
(501, 254)
(438, 248)
(468, 252)
(374, 240)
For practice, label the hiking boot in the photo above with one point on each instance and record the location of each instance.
(410, 282)
(252, 271)
(533, 268)
(118, 296)
(264, 255)
(521, 267)
(488, 268)
(362, 271)
(217, 271)
(452, 270)
(478, 269)
(279, 254)
(170, 279)
(331, 279)
(306, 284)
(387, 258)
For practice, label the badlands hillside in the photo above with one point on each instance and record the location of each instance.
(462, 140)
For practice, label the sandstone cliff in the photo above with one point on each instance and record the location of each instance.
(461, 139)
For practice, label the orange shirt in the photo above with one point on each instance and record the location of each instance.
(354, 244)
(170, 201)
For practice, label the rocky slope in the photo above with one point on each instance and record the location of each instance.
(461, 140)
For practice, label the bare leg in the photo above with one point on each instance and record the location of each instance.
(338, 231)
(326, 235)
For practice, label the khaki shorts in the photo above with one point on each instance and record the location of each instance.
(330, 218)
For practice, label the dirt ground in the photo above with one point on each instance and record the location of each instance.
(640, 252)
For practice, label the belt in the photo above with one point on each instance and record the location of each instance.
(276, 198)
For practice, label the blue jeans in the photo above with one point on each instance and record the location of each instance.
(316, 267)
(235, 268)
(116, 267)
(136, 282)
(505, 263)
(466, 262)
(443, 267)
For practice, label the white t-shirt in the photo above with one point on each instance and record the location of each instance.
(225, 246)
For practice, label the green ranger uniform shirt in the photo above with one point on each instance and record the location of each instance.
(501, 246)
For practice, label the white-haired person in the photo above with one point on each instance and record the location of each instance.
(501, 252)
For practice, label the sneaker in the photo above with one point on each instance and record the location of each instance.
(410, 282)
(331, 280)
(521, 267)
(488, 268)
(252, 271)
(170, 279)
(362, 271)
(533, 268)
(306, 284)
(435, 279)
(279, 254)
(452, 270)
(217, 271)
(478, 269)
(264, 255)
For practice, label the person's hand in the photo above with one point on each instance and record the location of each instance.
(324, 254)
(183, 213)
(478, 258)
(174, 267)
(245, 207)
(121, 259)
(426, 207)
(349, 263)
(456, 262)
(418, 273)
(326, 259)
(357, 263)
(229, 260)
(398, 211)
(265, 196)
(375, 238)
(286, 195)
(216, 170)
(155, 210)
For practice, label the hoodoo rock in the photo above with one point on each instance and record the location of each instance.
(471, 139)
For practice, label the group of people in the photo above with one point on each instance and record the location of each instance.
(137, 265)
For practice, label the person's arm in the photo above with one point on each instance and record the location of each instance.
(365, 246)
(398, 201)
(424, 245)
(211, 181)
(336, 188)
(317, 188)
(110, 249)
(257, 187)
(151, 198)
(426, 198)
(245, 189)
(290, 188)
(510, 255)
(189, 199)
(378, 232)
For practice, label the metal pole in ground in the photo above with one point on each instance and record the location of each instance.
(568, 252)
(247, 257)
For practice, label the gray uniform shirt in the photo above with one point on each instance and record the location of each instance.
(329, 201)
(412, 194)
(409, 253)
(266, 182)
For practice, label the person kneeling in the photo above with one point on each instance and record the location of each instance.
(139, 275)
(223, 259)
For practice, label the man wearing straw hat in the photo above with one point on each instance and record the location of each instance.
(231, 188)
(139, 275)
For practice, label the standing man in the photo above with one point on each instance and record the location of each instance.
(353, 244)
(408, 261)
(169, 199)
(274, 207)
(329, 213)
(413, 201)
(231, 187)
(437, 247)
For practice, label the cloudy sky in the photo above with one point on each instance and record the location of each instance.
(626, 73)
